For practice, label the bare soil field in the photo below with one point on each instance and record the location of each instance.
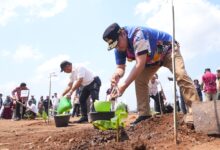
(152, 134)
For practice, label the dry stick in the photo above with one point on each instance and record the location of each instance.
(174, 76)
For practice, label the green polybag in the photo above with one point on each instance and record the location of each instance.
(121, 113)
(64, 105)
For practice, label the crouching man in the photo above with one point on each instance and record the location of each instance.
(31, 111)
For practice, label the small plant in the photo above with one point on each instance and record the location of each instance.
(116, 123)
(44, 116)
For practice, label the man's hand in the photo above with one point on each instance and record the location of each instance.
(68, 96)
(118, 90)
(115, 79)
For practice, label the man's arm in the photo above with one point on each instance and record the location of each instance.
(76, 85)
(119, 72)
(13, 93)
(68, 88)
(137, 69)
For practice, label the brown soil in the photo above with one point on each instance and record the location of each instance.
(156, 133)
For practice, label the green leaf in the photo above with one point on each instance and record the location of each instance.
(44, 115)
(121, 114)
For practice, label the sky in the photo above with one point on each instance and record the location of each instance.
(37, 35)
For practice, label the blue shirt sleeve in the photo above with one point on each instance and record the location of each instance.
(120, 57)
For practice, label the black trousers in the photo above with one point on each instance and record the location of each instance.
(18, 112)
(76, 110)
(90, 90)
(182, 104)
(158, 101)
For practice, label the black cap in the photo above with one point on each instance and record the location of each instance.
(111, 35)
(64, 64)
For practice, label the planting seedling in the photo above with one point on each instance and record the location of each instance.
(116, 123)
(44, 116)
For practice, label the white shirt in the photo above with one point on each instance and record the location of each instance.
(33, 108)
(55, 101)
(153, 87)
(82, 72)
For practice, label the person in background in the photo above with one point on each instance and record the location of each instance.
(154, 94)
(161, 93)
(198, 88)
(16, 95)
(76, 104)
(47, 104)
(1, 101)
(182, 103)
(81, 77)
(150, 49)
(31, 112)
(40, 106)
(33, 99)
(218, 83)
(55, 102)
(7, 109)
(209, 85)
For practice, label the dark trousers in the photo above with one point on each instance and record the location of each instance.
(19, 114)
(46, 109)
(158, 101)
(90, 90)
(182, 104)
(178, 105)
(76, 110)
(30, 115)
(218, 96)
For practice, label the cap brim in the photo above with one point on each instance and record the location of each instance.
(112, 45)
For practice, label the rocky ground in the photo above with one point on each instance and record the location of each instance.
(156, 133)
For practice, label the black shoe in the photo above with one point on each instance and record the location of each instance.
(139, 119)
(82, 119)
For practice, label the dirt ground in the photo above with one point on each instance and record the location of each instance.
(156, 133)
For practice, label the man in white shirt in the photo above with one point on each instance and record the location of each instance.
(154, 88)
(81, 77)
(55, 101)
(31, 111)
(156, 92)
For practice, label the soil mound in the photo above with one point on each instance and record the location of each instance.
(155, 133)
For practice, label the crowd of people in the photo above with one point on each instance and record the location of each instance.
(208, 89)
(150, 49)
(19, 106)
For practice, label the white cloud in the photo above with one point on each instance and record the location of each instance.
(4, 53)
(42, 74)
(24, 52)
(52, 65)
(196, 22)
(7, 87)
(29, 9)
